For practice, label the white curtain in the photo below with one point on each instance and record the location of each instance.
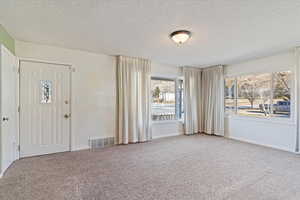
(133, 100)
(204, 100)
(213, 100)
(192, 99)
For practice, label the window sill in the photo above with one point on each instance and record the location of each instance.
(273, 120)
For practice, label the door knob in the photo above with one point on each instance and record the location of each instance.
(5, 119)
(67, 116)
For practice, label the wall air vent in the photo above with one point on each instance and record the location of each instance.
(95, 143)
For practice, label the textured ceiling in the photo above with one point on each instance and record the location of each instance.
(223, 31)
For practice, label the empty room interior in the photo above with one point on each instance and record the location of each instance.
(149, 100)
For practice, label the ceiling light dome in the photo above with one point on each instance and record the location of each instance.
(181, 36)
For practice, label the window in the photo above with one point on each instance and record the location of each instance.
(254, 95)
(46, 91)
(166, 99)
(261, 95)
(282, 94)
(180, 105)
(230, 94)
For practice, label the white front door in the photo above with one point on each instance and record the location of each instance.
(45, 108)
(9, 108)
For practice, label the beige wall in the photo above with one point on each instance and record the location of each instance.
(93, 91)
(274, 132)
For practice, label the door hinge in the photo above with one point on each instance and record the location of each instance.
(19, 109)
(19, 148)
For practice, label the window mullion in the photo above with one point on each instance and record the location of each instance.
(176, 99)
(272, 94)
(235, 96)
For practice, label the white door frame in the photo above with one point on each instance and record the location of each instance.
(21, 59)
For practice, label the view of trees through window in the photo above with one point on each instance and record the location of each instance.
(254, 95)
(282, 93)
(261, 95)
(229, 94)
(164, 98)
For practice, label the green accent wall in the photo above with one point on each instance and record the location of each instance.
(7, 40)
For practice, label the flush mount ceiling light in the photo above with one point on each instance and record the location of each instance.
(181, 36)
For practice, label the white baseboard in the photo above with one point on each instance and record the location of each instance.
(167, 135)
(264, 145)
(85, 147)
(4, 170)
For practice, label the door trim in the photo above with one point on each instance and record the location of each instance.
(71, 69)
(44, 61)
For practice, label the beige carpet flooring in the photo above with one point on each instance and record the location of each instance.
(176, 168)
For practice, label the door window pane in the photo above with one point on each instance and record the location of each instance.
(46, 91)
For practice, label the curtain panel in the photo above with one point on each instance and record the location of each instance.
(192, 99)
(204, 100)
(133, 100)
(213, 100)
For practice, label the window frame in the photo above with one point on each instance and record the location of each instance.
(272, 119)
(178, 116)
(179, 99)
